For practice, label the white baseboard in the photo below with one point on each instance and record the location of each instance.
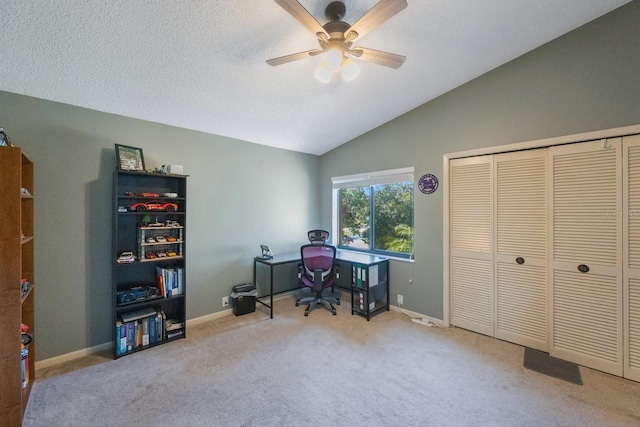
(68, 357)
(437, 322)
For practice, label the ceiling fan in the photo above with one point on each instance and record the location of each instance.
(336, 38)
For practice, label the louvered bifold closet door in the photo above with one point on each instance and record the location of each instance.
(521, 248)
(631, 256)
(586, 267)
(471, 243)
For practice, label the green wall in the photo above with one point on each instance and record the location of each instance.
(243, 194)
(240, 195)
(588, 79)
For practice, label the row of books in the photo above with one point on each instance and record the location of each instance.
(143, 328)
(359, 275)
(170, 281)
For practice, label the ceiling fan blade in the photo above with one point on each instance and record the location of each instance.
(296, 10)
(293, 57)
(379, 13)
(382, 58)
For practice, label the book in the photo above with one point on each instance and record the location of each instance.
(121, 334)
(152, 329)
(174, 334)
(136, 315)
(145, 331)
(160, 279)
(174, 324)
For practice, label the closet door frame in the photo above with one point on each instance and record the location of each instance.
(630, 273)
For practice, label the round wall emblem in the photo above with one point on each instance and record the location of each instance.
(428, 183)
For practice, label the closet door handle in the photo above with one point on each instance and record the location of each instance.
(583, 268)
(520, 260)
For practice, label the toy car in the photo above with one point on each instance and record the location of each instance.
(150, 255)
(149, 194)
(161, 254)
(160, 239)
(171, 239)
(171, 253)
(122, 209)
(151, 240)
(126, 257)
(154, 205)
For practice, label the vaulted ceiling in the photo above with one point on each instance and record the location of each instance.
(200, 64)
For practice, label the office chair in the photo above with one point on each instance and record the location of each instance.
(318, 237)
(318, 271)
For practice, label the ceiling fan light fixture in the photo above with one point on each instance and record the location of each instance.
(334, 59)
(323, 73)
(350, 70)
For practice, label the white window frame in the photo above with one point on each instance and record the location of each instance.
(390, 176)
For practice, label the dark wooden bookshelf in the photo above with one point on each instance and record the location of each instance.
(131, 231)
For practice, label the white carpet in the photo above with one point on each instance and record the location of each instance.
(326, 370)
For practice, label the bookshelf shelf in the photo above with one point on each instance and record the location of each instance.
(162, 277)
(16, 263)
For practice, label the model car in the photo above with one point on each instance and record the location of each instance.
(171, 253)
(171, 239)
(151, 240)
(161, 254)
(149, 194)
(150, 255)
(126, 257)
(122, 209)
(135, 293)
(154, 205)
(160, 239)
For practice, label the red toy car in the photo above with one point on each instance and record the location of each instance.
(154, 205)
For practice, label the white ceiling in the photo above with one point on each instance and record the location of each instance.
(200, 64)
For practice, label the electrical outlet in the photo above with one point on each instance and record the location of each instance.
(400, 299)
(225, 301)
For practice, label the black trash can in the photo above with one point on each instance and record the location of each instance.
(243, 298)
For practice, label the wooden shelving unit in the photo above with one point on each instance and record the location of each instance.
(16, 263)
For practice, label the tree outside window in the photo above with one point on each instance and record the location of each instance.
(377, 218)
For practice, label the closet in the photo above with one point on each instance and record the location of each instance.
(544, 250)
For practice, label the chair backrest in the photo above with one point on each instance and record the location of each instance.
(318, 256)
(318, 237)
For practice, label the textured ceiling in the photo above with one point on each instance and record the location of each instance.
(200, 64)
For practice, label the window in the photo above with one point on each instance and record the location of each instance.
(373, 212)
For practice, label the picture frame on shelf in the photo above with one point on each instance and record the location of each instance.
(129, 158)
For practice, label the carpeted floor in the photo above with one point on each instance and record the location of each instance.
(325, 370)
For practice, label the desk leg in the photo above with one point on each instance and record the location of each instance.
(271, 293)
